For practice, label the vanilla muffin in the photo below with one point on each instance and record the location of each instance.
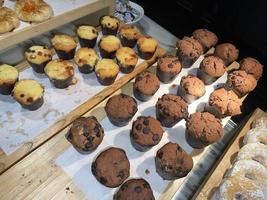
(8, 77)
(108, 45)
(60, 73)
(86, 59)
(65, 46)
(109, 25)
(29, 93)
(126, 59)
(129, 35)
(146, 47)
(38, 57)
(87, 36)
(106, 71)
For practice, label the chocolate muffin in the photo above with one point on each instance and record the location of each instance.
(134, 189)
(145, 86)
(108, 45)
(86, 134)
(211, 68)
(109, 25)
(120, 109)
(203, 129)
(170, 109)
(86, 60)
(146, 132)
(168, 68)
(87, 36)
(146, 46)
(252, 66)
(29, 93)
(126, 59)
(172, 162)
(60, 73)
(227, 52)
(8, 77)
(106, 71)
(191, 88)
(188, 51)
(129, 35)
(206, 38)
(38, 57)
(241, 82)
(224, 103)
(111, 167)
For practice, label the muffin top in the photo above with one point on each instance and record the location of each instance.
(172, 106)
(169, 64)
(225, 102)
(193, 85)
(147, 83)
(8, 74)
(63, 42)
(206, 38)
(87, 32)
(109, 22)
(109, 43)
(147, 44)
(27, 91)
(252, 66)
(227, 51)
(38, 54)
(106, 68)
(129, 32)
(189, 47)
(126, 56)
(213, 66)
(86, 56)
(59, 69)
(205, 127)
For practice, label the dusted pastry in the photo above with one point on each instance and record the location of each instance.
(86, 60)
(8, 20)
(8, 77)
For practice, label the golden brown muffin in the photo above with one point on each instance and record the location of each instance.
(126, 59)
(109, 25)
(108, 45)
(8, 20)
(106, 71)
(146, 46)
(87, 36)
(8, 77)
(86, 59)
(129, 35)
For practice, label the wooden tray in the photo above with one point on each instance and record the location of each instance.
(215, 176)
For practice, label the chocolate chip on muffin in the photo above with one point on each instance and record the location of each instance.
(87, 36)
(206, 38)
(86, 60)
(129, 35)
(252, 66)
(109, 25)
(227, 52)
(126, 59)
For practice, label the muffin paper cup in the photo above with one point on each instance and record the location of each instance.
(207, 79)
(187, 97)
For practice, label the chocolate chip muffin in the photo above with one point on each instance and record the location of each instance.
(211, 68)
(168, 68)
(227, 52)
(146, 46)
(108, 45)
(191, 88)
(146, 132)
(106, 71)
(203, 129)
(206, 38)
(134, 189)
(87, 36)
(172, 162)
(129, 35)
(170, 109)
(120, 109)
(109, 25)
(85, 134)
(188, 51)
(86, 59)
(145, 86)
(9, 75)
(111, 167)
(126, 59)
(252, 66)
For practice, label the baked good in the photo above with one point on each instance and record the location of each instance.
(87, 36)
(146, 132)
(64, 45)
(86, 59)
(227, 52)
(120, 109)
(8, 77)
(170, 109)
(29, 93)
(109, 25)
(129, 35)
(224, 103)
(1, 3)
(108, 45)
(145, 86)
(258, 134)
(85, 134)
(241, 82)
(146, 46)
(203, 129)
(172, 162)
(38, 57)
(60, 73)
(211, 68)
(111, 167)
(126, 59)
(106, 71)
(191, 88)
(206, 38)
(33, 10)
(8, 20)
(252, 66)
(168, 68)
(260, 123)
(188, 51)
(134, 189)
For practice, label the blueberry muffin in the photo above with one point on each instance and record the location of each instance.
(227, 52)
(129, 35)
(106, 71)
(8, 77)
(126, 59)
(87, 36)
(108, 45)
(109, 25)
(206, 38)
(86, 59)
(146, 46)
(252, 66)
